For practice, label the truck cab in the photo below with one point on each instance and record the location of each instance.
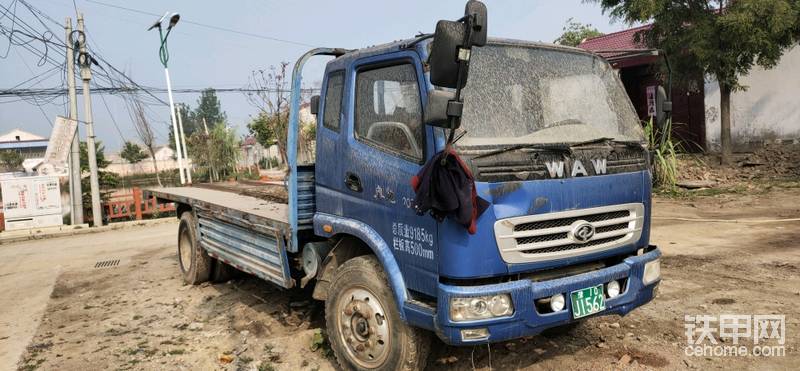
(554, 146)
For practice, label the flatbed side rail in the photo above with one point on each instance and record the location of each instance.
(245, 245)
(248, 241)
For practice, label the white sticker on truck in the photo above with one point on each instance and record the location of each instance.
(412, 240)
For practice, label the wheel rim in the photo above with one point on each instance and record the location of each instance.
(364, 327)
(185, 250)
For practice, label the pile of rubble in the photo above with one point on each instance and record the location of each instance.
(765, 163)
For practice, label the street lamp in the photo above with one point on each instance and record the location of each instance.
(177, 125)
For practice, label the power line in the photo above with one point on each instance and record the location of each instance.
(37, 105)
(113, 81)
(103, 98)
(42, 75)
(218, 28)
(139, 88)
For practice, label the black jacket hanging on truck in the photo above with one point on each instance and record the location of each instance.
(448, 190)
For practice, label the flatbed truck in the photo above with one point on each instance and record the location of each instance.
(553, 144)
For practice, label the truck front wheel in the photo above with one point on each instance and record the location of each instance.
(195, 264)
(364, 326)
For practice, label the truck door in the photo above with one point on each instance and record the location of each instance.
(329, 128)
(387, 144)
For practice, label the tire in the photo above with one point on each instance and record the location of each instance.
(222, 272)
(195, 264)
(364, 327)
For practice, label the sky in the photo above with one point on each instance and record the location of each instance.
(203, 57)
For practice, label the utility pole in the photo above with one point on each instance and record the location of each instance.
(76, 202)
(86, 75)
(185, 149)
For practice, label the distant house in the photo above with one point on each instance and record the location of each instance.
(164, 153)
(767, 111)
(30, 146)
(251, 152)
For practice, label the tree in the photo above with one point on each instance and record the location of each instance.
(575, 32)
(143, 129)
(191, 124)
(269, 130)
(208, 113)
(99, 151)
(208, 108)
(269, 93)
(11, 160)
(107, 180)
(132, 153)
(221, 151)
(721, 38)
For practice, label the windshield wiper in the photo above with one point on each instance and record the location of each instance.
(561, 147)
(609, 141)
(555, 147)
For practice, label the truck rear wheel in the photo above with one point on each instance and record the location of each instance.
(364, 326)
(195, 264)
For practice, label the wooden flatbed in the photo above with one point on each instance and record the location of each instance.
(228, 199)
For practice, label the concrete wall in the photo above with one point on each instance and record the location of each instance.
(768, 110)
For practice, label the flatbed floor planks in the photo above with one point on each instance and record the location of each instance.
(278, 212)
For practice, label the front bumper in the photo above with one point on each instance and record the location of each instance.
(526, 320)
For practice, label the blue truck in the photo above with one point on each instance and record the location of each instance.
(553, 144)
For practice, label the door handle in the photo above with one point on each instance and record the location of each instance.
(353, 182)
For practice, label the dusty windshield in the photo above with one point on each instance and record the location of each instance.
(524, 94)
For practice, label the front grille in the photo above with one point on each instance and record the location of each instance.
(552, 236)
(544, 238)
(571, 246)
(553, 223)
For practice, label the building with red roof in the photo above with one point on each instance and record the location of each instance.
(766, 112)
(639, 70)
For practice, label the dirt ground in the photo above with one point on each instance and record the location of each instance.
(769, 162)
(137, 314)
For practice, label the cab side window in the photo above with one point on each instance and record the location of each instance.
(333, 101)
(388, 111)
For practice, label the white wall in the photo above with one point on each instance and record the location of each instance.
(768, 110)
(123, 168)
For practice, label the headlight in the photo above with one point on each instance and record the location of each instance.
(652, 272)
(480, 307)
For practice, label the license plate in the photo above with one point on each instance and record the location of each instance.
(587, 301)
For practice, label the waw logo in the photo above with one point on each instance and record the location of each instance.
(556, 168)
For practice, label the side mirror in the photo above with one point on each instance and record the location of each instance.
(314, 104)
(663, 107)
(443, 61)
(451, 46)
(478, 10)
(436, 110)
